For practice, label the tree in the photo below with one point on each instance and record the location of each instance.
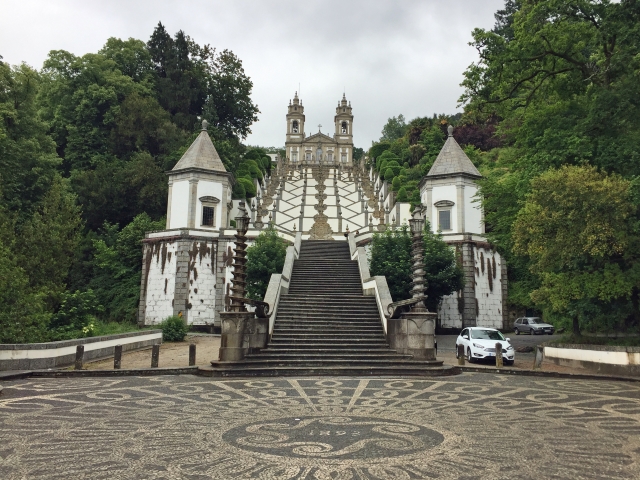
(264, 258)
(390, 257)
(394, 129)
(579, 227)
(443, 274)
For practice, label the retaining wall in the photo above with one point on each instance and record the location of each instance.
(36, 356)
(599, 358)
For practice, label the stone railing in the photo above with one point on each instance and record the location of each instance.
(604, 359)
(371, 286)
(279, 282)
(38, 356)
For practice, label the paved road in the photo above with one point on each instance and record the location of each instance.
(183, 427)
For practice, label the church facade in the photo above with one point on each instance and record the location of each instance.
(320, 148)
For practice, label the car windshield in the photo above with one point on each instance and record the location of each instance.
(534, 320)
(486, 335)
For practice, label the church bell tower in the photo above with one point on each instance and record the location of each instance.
(295, 129)
(344, 131)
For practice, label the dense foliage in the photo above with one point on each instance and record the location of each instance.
(391, 257)
(562, 77)
(84, 144)
(173, 329)
(265, 257)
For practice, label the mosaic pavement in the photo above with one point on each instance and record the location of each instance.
(186, 427)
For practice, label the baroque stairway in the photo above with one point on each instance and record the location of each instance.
(326, 326)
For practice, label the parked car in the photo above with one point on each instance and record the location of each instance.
(532, 325)
(480, 342)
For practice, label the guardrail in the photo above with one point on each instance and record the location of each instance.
(371, 286)
(279, 282)
(33, 356)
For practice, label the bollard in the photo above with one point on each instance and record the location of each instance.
(155, 356)
(537, 362)
(498, 355)
(79, 357)
(192, 354)
(460, 354)
(117, 357)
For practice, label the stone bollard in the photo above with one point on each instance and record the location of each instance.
(117, 357)
(537, 362)
(192, 354)
(79, 357)
(155, 356)
(460, 354)
(498, 355)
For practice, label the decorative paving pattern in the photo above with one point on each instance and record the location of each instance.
(186, 427)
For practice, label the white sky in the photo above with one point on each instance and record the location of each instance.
(391, 57)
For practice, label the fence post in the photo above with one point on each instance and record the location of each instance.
(117, 357)
(155, 356)
(460, 354)
(79, 357)
(537, 362)
(498, 355)
(192, 354)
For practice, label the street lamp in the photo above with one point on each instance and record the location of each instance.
(240, 259)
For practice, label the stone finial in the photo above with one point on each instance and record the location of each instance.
(450, 130)
(205, 124)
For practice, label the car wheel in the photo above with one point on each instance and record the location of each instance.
(517, 331)
(457, 354)
(469, 357)
(508, 362)
(532, 331)
(550, 333)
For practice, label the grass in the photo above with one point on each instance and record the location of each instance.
(112, 328)
(571, 339)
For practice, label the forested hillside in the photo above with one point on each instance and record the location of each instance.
(552, 120)
(84, 144)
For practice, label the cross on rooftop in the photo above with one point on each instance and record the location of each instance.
(319, 127)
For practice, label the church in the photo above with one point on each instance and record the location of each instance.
(316, 192)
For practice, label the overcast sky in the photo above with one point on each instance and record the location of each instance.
(390, 57)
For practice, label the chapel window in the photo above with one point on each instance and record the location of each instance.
(330, 157)
(444, 220)
(208, 216)
(294, 156)
(295, 126)
(308, 157)
(344, 158)
(344, 127)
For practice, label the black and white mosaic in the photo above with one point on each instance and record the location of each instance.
(186, 427)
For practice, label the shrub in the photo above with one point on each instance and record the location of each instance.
(173, 329)
(249, 187)
(238, 191)
(376, 150)
(265, 257)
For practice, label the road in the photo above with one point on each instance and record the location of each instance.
(474, 425)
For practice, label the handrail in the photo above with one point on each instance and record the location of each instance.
(396, 309)
(262, 308)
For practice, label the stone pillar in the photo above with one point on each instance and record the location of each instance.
(169, 203)
(232, 339)
(191, 210)
(429, 213)
(181, 295)
(506, 322)
(413, 334)
(460, 208)
(469, 311)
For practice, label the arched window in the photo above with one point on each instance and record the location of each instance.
(344, 127)
(294, 128)
(319, 155)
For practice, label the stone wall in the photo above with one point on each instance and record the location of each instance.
(158, 283)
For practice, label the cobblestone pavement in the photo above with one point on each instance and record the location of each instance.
(185, 427)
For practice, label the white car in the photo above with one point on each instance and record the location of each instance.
(480, 342)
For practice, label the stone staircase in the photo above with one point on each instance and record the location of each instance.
(325, 326)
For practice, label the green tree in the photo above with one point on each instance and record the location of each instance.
(443, 274)
(394, 129)
(264, 258)
(579, 227)
(390, 257)
(118, 267)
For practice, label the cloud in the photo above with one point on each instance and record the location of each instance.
(390, 57)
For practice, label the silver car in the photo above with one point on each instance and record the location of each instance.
(533, 326)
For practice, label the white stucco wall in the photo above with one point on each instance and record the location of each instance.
(179, 204)
(472, 211)
(439, 193)
(488, 292)
(161, 282)
(202, 283)
(212, 189)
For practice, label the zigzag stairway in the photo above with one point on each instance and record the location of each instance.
(326, 326)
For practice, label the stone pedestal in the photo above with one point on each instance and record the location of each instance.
(413, 334)
(242, 333)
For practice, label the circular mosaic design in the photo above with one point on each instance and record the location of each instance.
(334, 437)
(184, 427)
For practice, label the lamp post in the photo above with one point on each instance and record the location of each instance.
(417, 225)
(240, 259)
